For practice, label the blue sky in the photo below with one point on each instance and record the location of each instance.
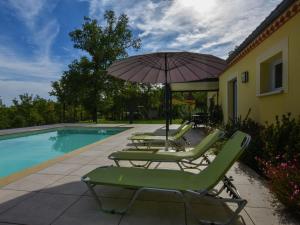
(35, 47)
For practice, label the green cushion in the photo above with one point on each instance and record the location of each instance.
(137, 177)
(176, 136)
(227, 156)
(149, 155)
(172, 179)
(147, 137)
(153, 133)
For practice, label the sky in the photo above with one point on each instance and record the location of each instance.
(35, 47)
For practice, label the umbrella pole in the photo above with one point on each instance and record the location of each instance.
(166, 101)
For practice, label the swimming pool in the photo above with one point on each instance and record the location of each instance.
(22, 151)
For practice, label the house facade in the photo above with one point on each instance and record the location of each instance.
(264, 71)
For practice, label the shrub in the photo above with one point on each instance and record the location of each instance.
(274, 151)
(215, 114)
(18, 121)
(255, 147)
(284, 180)
(282, 138)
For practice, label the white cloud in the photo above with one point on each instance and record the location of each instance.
(42, 34)
(11, 89)
(214, 26)
(14, 66)
(28, 10)
(37, 65)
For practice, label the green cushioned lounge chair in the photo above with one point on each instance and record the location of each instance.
(181, 182)
(154, 134)
(185, 160)
(151, 140)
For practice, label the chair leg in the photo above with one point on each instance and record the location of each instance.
(117, 163)
(112, 211)
(236, 199)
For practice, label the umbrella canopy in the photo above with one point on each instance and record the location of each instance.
(168, 67)
(181, 67)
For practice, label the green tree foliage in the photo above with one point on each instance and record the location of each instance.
(86, 91)
(104, 45)
(28, 111)
(4, 112)
(72, 90)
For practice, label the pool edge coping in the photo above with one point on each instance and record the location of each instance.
(18, 175)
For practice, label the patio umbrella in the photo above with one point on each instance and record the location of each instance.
(166, 68)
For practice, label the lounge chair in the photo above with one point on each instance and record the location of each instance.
(185, 160)
(175, 181)
(154, 134)
(151, 140)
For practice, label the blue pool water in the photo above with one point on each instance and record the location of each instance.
(19, 153)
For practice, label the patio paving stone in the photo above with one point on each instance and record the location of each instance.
(112, 192)
(41, 209)
(93, 153)
(80, 159)
(216, 212)
(267, 216)
(84, 169)
(69, 185)
(10, 198)
(33, 182)
(86, 212)
(61, 168)
(152, 212)
(255, 198)
(101, 161)
(160, 196)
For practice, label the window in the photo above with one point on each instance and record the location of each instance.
(277, 75)
(271, 74)
(272, 69)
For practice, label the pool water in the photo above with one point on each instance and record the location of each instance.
(21, 152)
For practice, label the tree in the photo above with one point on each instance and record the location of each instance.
(73, 89)
(59, 91)
(4, 118)
(104, 45)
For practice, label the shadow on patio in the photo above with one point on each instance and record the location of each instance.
(71, 203)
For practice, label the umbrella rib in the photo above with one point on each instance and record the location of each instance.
(204, 61)
(216, 59)
(125, 66)
(158, 73)
(135, 74)
(135, 59)
(186, 65)
(125, 60)
(156, 60)
(130, 68)
(160, 69)
(209, 58)
(146, 74)
(168, 70)
(150, 63)
(178, 68)
(122, 74)
(201, 61)
(198, 67)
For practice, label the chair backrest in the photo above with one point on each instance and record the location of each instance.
(180, 127)
(227, 156)
(206, 144)
(182, 132)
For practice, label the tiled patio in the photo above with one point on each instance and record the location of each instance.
(56, 196)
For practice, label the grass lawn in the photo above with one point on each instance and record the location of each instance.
(154, 121)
